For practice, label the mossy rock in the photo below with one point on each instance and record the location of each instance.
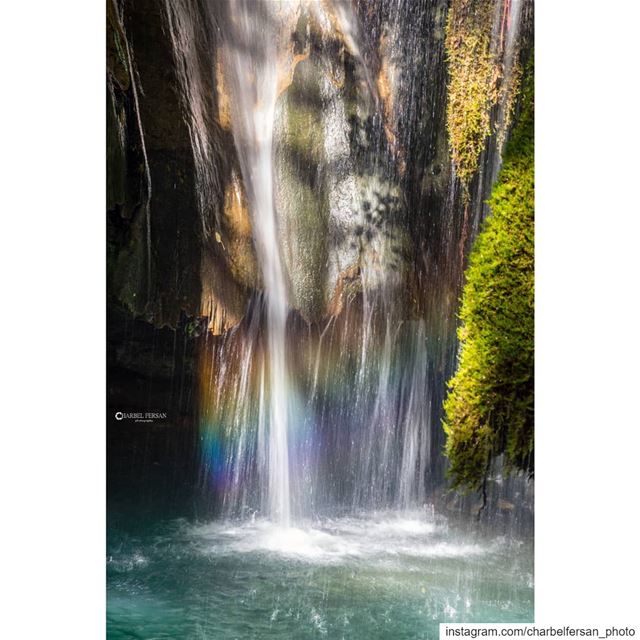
(473, 83)
(300, 189)
(489, 408)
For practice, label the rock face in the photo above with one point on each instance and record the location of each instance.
(331, 206)
(167, 165)
(180, 238)
(379, 187)
(362, 175)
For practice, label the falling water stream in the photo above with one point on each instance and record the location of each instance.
(325, 510)
(251, 58)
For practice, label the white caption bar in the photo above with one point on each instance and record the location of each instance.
(468, 630)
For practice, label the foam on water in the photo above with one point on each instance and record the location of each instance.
(339, 540)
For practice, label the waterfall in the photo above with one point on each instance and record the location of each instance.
(251, 65)
(509, 32)
(320, 171)
(327, 397)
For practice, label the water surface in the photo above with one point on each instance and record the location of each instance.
(373, 576)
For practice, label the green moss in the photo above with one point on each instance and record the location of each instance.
(489, 408)
(302, 113)
(473, 82)
(301, 191)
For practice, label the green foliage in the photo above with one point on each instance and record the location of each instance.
(473, 83)
(489, 408)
